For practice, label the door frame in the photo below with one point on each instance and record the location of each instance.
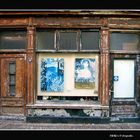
(122, 57)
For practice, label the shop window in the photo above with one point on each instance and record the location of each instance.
(125, 41)
(69, 72)
(13, 39)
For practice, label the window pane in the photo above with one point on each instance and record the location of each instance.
(68, 41)
(12, 79)
(12, 68)
(45, 40)
(90, 40)
(124, 41)
(12, 90)
(13, 40)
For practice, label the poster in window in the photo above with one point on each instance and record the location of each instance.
(85, 73)
(52, 74)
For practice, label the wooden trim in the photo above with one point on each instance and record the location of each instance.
(104, 67)
(71, 12)
(30, 65)
(4, 22)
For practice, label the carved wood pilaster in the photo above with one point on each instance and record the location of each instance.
(104, 67)
(30, 61)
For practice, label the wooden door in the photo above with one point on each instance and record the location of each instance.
(12, 84)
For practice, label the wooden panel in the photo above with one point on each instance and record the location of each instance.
(20, 67)
(4, 76)
(8, 55)
(13, 21)
(124, 22)
(67, 22)
(12, 110)
(12, 102)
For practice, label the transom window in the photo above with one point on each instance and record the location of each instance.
(67, 40)
(13, 39)
(125, 41)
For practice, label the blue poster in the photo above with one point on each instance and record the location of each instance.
(52, 74)
(85, 73)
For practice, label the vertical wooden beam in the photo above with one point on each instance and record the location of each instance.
(30, 61)
(104, 67)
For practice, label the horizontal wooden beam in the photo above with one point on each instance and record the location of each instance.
(71, 12)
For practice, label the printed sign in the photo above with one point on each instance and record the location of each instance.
(84, 73)
(52, 74)
(116, 78)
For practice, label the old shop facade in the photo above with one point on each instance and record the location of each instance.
(64, 65)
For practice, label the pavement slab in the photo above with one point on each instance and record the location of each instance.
(23, 125)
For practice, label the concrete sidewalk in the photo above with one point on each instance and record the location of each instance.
(23, 125)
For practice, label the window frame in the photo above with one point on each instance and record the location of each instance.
(57, 40)
(78, 51)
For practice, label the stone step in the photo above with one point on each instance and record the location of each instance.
(67, 108)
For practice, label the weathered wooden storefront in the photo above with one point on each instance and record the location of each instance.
(63, 65)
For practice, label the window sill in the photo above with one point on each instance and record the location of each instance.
(67, 105)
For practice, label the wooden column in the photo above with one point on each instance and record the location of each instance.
(104, 67)
(30, 65)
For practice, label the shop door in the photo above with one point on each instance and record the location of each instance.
(12, 84)
(124, 78)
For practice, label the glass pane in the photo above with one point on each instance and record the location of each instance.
(59, 72)
(12, 79)
(68, 41)
(45, 40)
(13, 40)
(12, 68)
(124, 41)
(90, 40)
(12, 90)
